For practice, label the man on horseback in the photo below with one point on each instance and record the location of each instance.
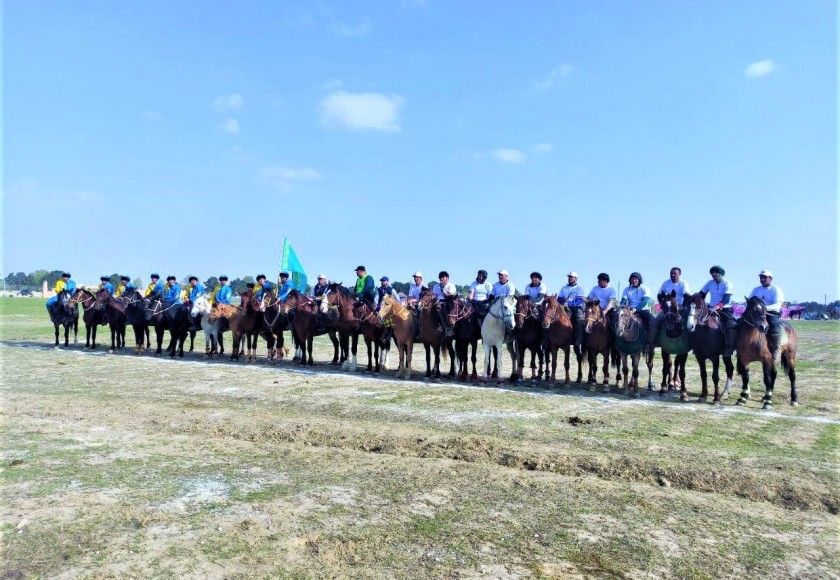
(415, 288)
(445, 291)
(64, 283)
(479, 292)
(222, 293)
(385, 289)
(365, 289)
(536, 290)
(504, 287)
(196, 290)
(172, 290)
(773, 298)
(320, 289)
(262, 286)
(672, 284)
(105, 284)
(286, 286)
(572, 295)
(125, 284)
(637, 296)
(720, 298)
(155, 286)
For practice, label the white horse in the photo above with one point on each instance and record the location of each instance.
(497, 331)
(212, 335)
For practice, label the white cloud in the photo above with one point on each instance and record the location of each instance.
(361, 29)
(543, 148)
(151, 115)
(33, 193)
(362, 110)
(509, 155)
(230, 126)
(760, 69)
(557, 72)
(224, 103)
(283, 178)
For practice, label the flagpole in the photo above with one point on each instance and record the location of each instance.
(280, 269)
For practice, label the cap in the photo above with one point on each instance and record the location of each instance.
(170, 277)
(260, 276)
(767, 273)
(384, 279)
(418, 274)
(223, 277)
(362, 268)
(155, 276)
(322, 276)
(572, 273)
(191, 278)
(501, 272)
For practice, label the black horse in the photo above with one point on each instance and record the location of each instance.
(171, 316)
(115, 313)
(65, 312)
(135, 312)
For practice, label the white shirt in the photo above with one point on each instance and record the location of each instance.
(480, 290)
(533, 292)
(681, 288)
(414, 291)
(717, 291)
(772, 296)
(448, 290)
(390, 291)
(500, 289)
(634, 296)
(604, 295)
(574, 295)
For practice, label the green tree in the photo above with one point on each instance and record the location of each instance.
(115, 279)
(401, 287)
(38, 277)
(53, 277)
(238, 285)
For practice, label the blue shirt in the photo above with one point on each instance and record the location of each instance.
(638, 297)
(173, 293)
(285, 288)
(573, 295)
(718, 292)
(265, 287)
(224, 294)
(196, 291)
(109, 287)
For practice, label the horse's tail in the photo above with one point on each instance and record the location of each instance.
(615, 360)
(786, 363)
(444, 353)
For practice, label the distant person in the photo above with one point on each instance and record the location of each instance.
(63, 283)
(155, 286)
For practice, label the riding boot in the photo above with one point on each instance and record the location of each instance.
(774, 336)
(731, 336)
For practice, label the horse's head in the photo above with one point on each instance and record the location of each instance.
(459, 311)
(592, 314)
(755, 314)
(505, 308)
(426, 298)
(200, 306)
(217, 311)
(102, 297)
(550, 311)
(385, 307)
(523, 310)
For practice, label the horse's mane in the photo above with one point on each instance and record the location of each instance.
(342, 290)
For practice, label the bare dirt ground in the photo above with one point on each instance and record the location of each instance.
(117, 465)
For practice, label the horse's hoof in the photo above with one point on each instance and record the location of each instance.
(767, 406)
(701, 399)
(794, 403)
(651, 387)
(740, 402)
(716, 403)
(683, 397)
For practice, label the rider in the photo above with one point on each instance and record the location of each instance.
(125, 284)
(504, 287)
(536, 290)
(773, 298)
(155, 286)
(672, 284)
(479, 291)
(605, 294)
(445, 291)
(637, 296)
(63, 283)
(263, 286)
(572, 294)
(173, 290)
(196, 289)
(415, 289)
(222, 293)
(286, 286)
(385, 289)
(365, 288)
(720, 298)
(105, 284)
(320, 289)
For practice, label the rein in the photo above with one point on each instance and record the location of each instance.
(626, 323)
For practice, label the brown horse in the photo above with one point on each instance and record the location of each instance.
(324, 318)
(252, 324)
(707, 340)
(751, 346)
(674, 342)
(466, 327)
(560, 334)
(342, 301)
(529, 336)
(399, 319)
(630, 340)
(92, 315)
(236, 319)
(598, 341)
(116, 317)
(373, 333)
(65, 312)
(433, 336)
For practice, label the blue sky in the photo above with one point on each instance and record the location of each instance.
(612, 136)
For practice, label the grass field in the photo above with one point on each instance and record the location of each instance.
(116, 465)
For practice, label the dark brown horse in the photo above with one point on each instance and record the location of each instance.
(251, 323)
(630, 341)
(373, 333)
(707, 340)
(135, 312)
(342, 301)
(433, 336)
(598, 341)
(560, 334)
(752, 347)
(674, 342)
(309, 318)
(466, 327)
(401, 322)
(529, 336)
(92, 315)
(65, 312)
(115, 310)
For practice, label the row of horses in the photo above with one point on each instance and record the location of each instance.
(512, 323)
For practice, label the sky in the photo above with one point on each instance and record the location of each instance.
(191, 137)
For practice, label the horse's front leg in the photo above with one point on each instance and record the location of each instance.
(666, 373)
(56, 334)
(744, 371)
(649, 363)
(769, 383)
(428, 361)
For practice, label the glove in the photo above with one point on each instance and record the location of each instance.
(719, 306)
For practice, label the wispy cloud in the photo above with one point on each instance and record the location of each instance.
(362, 110)
(509, 155)
(414, 3)
(33, 193)
(224, 103)
(760, 69)
(543, 148)
(553, 76)
(284, 178)
(230, 126)
(151, 115)
(361, 29)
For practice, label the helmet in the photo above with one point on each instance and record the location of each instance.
(717, 269)
(536, 275)
(635, 275)
(483, 273)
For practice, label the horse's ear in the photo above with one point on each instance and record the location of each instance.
(673, 293)
(746, 299)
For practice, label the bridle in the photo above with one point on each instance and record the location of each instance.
(750, 319)
(627, 322)
(599, 317)
(465, 312)
(552, 312)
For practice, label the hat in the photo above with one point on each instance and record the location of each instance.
(536, 275)
(104, 278)
(384, 279)
(155, 276)
(483, 273)
(502, 272)
(443, 273)
(284, 274)
(124, 278)
(572, 273)
(418, 274)
(635, 275)
(322, 276)
(249, 284)
(603, 276)
(767, 273)
(362, 268)
(717, 269)
(260, 276)
(223, 278)
(191, 278)
(170, 277)
(65, 275)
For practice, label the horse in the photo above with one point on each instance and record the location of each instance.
(529, 336)
(630, 340)
(277, 317)
(598, 341)
(302, 311)
(463, 319)
(707, 340)
(342, 301)
(212, 334)
(373, 332)
(171, 316)
(396, 316)
(497, 331)
(252, 324)
(673, 340)
(135, 312)
(116, 317)
(236, 321)
(560, 334)
(433, 336)
(92, 315)
(752, 346)
(65, 312)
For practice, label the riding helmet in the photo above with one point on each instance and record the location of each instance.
(717, 269)
(636, 275)
(483, 273)
(537, 274)
(604, 277)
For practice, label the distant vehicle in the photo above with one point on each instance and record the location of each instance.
(26, 292)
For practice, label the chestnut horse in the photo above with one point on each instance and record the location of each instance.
(598, 341)
(707, 340)
(324, 318)
(752, 346)
(399, 319)
(92, 315)
(342, 301)
(529, 336)
(433, 336)
(373, 333)
(236, 321)
(560, 334)
(251, 325)
(116, 317)
(65, 312)
(674, 340)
